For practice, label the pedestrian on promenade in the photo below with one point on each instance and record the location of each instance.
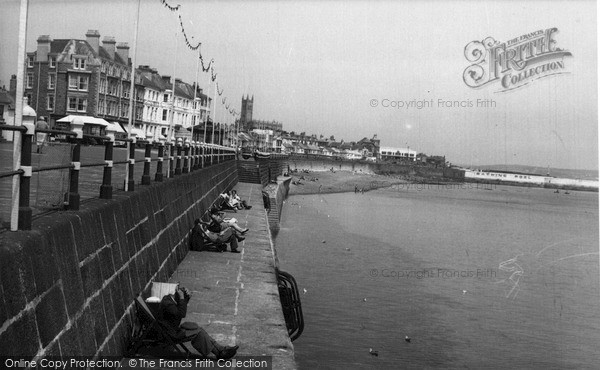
(172, 309)
(41, 137)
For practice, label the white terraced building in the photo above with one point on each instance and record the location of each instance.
(390, 153)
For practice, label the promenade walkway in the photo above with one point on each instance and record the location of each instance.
(234, 296)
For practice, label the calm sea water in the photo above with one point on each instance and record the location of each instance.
(501, 278)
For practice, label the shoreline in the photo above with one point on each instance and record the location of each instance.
(329, 182)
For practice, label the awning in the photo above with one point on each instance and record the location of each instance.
(139, 133)
(115, 126)
(86, 119)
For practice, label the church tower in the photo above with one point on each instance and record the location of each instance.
(246, 114)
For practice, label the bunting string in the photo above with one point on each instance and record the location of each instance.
(171, 8)
(187, 42)
(205, 67)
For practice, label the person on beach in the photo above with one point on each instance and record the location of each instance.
(172, 309)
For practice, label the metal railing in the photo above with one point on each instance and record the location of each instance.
(289, 297)
(182, 156)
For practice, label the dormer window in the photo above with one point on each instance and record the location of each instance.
(52, 62)
(30, 62)
(78, 63)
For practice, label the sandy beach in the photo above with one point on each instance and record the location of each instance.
(314, 182)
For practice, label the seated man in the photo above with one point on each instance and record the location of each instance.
(172, 309)
(221, 236)
(218, 217)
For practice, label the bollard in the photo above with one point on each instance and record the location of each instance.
(25, 211)
(178, 164)
(147, 161)
(159, 165)
(130, 180)
(106, 187)
(186, 153)
(74, 197)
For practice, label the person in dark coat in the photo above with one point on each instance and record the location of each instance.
(172, 309)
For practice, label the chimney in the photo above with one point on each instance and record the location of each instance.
(12, 87)
(93, 38)
(123, 51)
(43, 48)
(109, 45)
(166, 79)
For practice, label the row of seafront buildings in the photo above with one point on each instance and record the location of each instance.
(92, 78)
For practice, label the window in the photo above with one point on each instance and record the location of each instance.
(101, 107)
(29, 80)
(30, 62)
(78, 63)
(52, 62)
(103, 86)
(77, 104)
(165, 98)
(51, 81)
(103, 67)
(78, 82)
(164, 115)
(50, 103)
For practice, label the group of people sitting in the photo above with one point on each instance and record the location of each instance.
(232, 201)
(221, 230)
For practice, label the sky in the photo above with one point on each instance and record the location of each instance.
(342, 67)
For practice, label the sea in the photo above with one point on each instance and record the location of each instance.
(445, 276)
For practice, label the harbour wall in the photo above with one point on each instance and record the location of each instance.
(67, 286)
(277, 193)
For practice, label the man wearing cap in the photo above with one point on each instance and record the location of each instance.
(172, 309)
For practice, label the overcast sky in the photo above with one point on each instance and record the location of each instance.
(320, 66)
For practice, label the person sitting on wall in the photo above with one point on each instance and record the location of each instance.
(222, 235)
(172, 309)
(236, 201)
(219, 217)
(226, 203)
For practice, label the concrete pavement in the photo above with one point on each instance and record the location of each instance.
(235, 296)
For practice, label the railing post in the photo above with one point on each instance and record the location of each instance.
(106, 187)
(171, 157)
(147, 161)
(202, 160)
(74, 197)
(194, 155)
(130, 178)
(159, 165)
(25, 211)
(178, 165)
(212, 154)
(186, 153)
